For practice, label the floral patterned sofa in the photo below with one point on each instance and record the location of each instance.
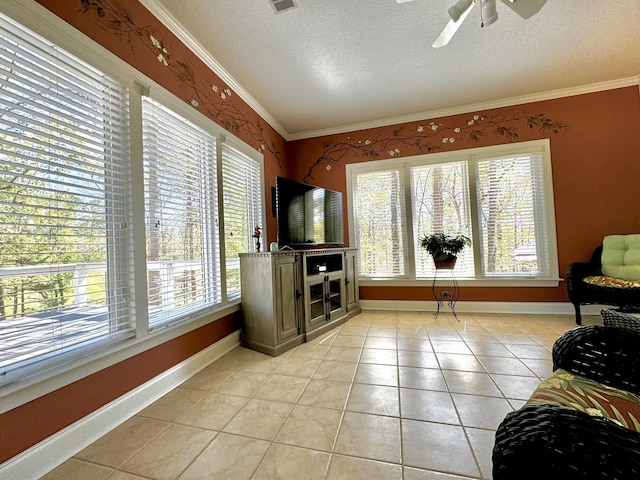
(612, 277)
(583, 421)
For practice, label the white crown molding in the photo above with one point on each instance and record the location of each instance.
(165, 17)
(507, 102)
(172, 24)
(19, 6)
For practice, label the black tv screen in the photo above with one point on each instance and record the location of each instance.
(308, 215)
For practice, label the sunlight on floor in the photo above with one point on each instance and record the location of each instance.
(388, 395)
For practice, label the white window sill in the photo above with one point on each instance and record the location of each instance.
(24, 390)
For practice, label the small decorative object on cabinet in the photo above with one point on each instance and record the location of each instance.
(257, 233)
(289, 296)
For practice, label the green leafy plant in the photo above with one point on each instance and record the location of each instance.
(442, 246)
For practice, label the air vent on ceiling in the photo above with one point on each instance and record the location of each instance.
(282, 5)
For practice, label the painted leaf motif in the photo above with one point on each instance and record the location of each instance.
(573, 391)
(635, 422)
(619, 416)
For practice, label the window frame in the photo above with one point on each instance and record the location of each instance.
(165, 315)
(471, 156)
(74, 136)
(59, 34)
(250, 155)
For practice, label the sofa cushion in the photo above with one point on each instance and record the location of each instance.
(621, 256)
(604, 281)
(564, 389)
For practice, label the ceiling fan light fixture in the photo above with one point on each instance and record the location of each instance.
(460, 7)
(489, 12)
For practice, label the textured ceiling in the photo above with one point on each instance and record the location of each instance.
(336, 65)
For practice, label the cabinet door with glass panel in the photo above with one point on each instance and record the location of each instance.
(324, 290)
(324, 299)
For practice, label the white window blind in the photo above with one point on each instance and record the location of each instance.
(180, 189)
(65, 272)
(500, 197)
(242, 204)
(441, 204)
(512, 212)
(380, 223)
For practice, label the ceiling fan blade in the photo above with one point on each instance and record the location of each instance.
(403, 1)
(525, 8)
(450, 29)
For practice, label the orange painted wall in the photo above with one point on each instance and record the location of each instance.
(595, 161)
(131, 32)
(595, 152)
(126, 28)
(32, 422)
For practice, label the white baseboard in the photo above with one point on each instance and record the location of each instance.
(542, 308)
(51, 452)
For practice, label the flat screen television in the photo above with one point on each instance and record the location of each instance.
(307, 215)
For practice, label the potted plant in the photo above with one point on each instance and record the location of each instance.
(444, 248)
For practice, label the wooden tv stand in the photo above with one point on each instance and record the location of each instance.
(293, 296)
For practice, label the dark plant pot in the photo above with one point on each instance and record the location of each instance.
(448, 263)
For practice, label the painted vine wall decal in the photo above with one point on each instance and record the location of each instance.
(432, 137)
(216, 100)
(211, 97)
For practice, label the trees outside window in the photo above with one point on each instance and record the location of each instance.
(86, 218)
(65, 269)
(181, 205)
(242, 202)
(500, 197)
(380, 213)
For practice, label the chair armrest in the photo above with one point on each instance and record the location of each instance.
(545, 441)
(608, 355)
(576, 271)
(576, 288)
(615, 318)
(579, 270)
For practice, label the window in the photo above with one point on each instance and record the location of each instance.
(440, 194)
(242, 202)
(64, 193)
(180, 191)
(514, 233)
(380, 214)
(85, 217)
(500, 197)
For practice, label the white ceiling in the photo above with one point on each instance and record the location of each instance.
(337, 65)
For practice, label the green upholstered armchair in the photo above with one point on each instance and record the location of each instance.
(611, 277)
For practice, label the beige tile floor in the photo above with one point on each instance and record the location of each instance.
(388, 395)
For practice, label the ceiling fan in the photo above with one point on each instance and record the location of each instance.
(488, 13)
